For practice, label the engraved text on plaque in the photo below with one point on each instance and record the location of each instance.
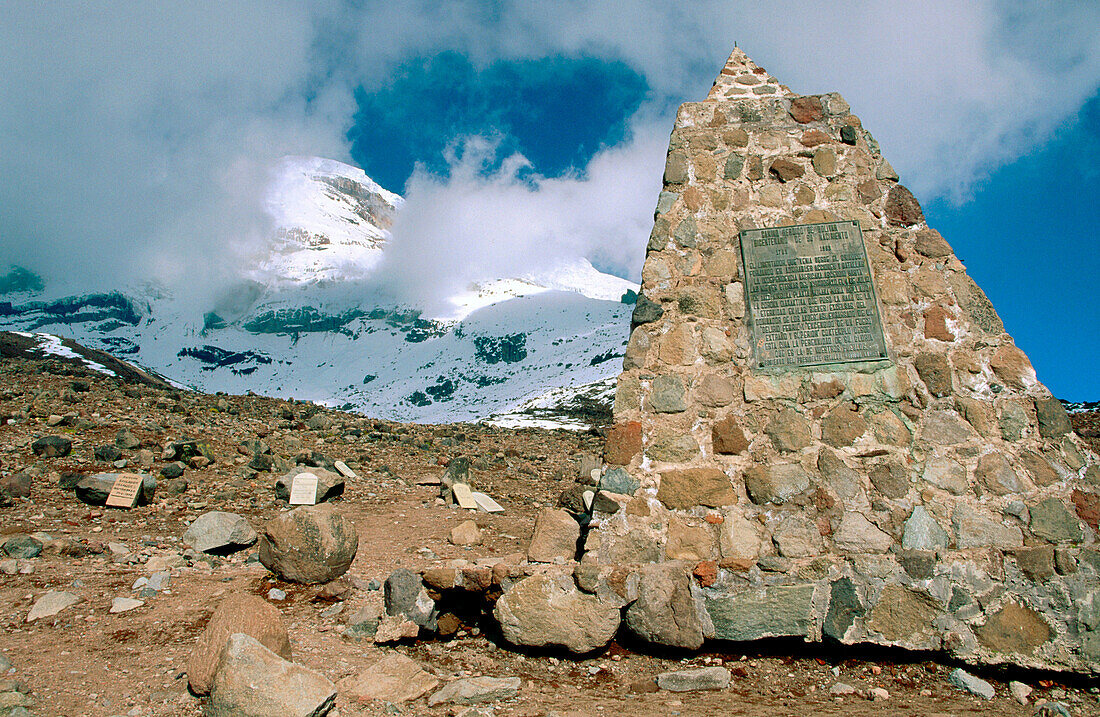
(810, 296)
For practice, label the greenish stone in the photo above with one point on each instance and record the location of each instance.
(923, 532)
(844, 607)
(777, 611)
(617, 480)
(673, 447)
(918, 564)
(658, 238)
(687, 234)
(668, 394)
(1051, 521)
(733, 166)
(1052, 418)
(665, 200)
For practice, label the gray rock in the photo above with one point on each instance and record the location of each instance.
(23, 546)
(617, 480)
(310, 544)
(1052, 418)
(52, 603)
(776, 483)
(252, 681)
(776, 611)
(94, 489)
(694, 680)
(329, 484)
(475, 690)
(968, 682)
(974, 529)
(52, 447)
(404, 595)
(548, 610)
(668, 394)
(126, 440)
(173, 470)
(554, 538)
(922, 532)
(1052, 521)
(107, 453)
(665, 612)
(220, 533)
(856, 534)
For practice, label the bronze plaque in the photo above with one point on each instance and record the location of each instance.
(809, 296)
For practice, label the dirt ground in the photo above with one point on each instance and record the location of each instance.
(87, 661)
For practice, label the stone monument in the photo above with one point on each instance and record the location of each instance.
(829, 425)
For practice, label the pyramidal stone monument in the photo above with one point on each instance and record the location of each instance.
(821, 418)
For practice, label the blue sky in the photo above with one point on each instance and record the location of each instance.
(524, 134)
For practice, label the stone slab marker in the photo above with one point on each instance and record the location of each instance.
(819, 400)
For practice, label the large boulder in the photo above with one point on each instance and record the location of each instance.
(404, 595)
(219, 533)
(238, 613)
(94, 489)
(329, 484)
(253, 681)
(548, 610)
(310, 544)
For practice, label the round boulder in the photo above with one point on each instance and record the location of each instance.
(548, 610)
(311, 544)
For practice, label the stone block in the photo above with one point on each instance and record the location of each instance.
(690, 487)
(776, 611)
(776, 483)
(624, 441)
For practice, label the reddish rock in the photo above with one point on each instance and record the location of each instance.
(706, 572)
(843, 426)
(727, 437)
(785, 170)
(935, 324)
(902, 207)
(814, 137)
(827, 389)
(624, 441)
(1088, 507)
(806, 109)
(240, 612)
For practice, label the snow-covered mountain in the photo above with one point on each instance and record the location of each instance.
(305, 321)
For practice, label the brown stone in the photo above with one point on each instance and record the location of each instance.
(624, 441)
(935, 324)
(891, 479)
(716, 391)
(1011, 365)
(727, 437)
(842, 426)
(869, 191)
(1040, 469)
(676, 168)
(755, 169)
(814, 137)
(395, 678)
(239, 612)
(1088, 507)
(672, 446)
(978, 413)
(690, 539)
(998, 476)
(776, 482)
(687, 488)
(1036, 563)
(1014, 628)
(935, 371)
(555, 537)
(736, 137)
(902, 207)
(824, 162)
(806, 109)
(830, 388)
(311, 544)
(902, 615)
(786, 170)
(931, 244)
(789, 431)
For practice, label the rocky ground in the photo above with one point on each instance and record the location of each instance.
(87, 660)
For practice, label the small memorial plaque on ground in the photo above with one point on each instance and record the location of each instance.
(124, 493)
(464, 496)
(303, 489)
(810, 297)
